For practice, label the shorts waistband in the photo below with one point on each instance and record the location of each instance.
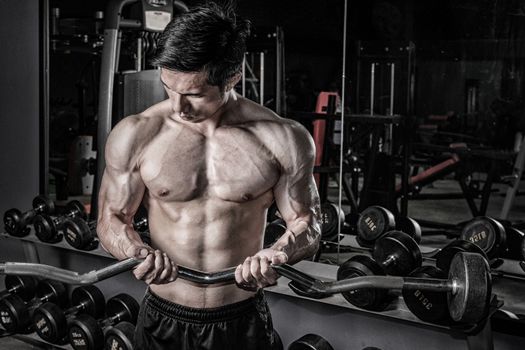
(206, 315)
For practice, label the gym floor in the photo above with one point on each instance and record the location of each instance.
(448, 211)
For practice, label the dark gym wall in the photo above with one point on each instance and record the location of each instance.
(19, 103)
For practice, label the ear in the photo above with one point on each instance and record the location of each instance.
(232, 81)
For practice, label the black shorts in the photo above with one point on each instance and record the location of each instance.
(245, 325)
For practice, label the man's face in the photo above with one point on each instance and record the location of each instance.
(191, 98)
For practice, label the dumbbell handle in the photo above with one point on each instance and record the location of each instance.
(303, 279)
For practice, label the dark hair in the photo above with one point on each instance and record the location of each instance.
(208, 37)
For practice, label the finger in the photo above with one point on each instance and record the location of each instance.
(157, 267)
(174, 271)
(279, 258)
(143, 268)
(246, 272)
(255, 271)
(266, 270)
(238, 275)
(167, 268)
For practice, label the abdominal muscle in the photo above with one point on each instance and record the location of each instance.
(208, 235)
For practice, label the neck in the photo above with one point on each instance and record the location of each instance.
(207, 127)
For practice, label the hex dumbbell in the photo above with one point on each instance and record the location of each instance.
(50, 320)
(48, 228)
(81, 234)
(16, 315)
(16, 222)
(87, 333)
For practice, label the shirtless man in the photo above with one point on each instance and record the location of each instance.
(207, 164)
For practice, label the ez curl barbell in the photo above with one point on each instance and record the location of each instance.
(468, 286)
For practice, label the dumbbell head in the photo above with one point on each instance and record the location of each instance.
(331, 217)
(373, 222)
(76, 209)
(50, 320)
(368, 298)
(515, 243)
(398, 253)
(23, 286)
(446, 254)
(470, 302)
(273, 231)
(120, 337)
(410, 227)
(428, 306)
(46, 229)
(487, 233)
(43, 204)
(310, 342)
(85, 332)
(79, 234)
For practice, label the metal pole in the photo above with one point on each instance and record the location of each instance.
(243, 84)
(261, 79)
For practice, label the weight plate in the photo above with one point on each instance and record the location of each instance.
(487, 233)
(53, 291)
(50, 322)
(92, 298)
(427, 305)
(445, 255)
(124, 305)
(410, 227)
(397, 253)
(23, 286)
(85, 333)
(331, 216)
(45, 229)
(120, 337)
(310, 342)
(366, 298)
(373, 222)
(14, 314)
(77, 233)
(470, 302)
(13, 223)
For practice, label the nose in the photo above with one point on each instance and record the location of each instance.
(179, 104)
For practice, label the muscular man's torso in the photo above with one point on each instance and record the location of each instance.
(207, 197)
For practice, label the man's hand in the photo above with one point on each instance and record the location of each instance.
(157, 267)
(256, 271)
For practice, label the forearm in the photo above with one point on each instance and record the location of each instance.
(117, 236)
(301, 240)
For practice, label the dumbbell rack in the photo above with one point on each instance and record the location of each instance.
(507, 289)
(31, 238)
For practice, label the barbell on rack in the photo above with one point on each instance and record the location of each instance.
(468, 285)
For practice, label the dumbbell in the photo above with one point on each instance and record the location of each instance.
(50, 320)
(375, 221)
(140, 224)
(310, 342)
(81, 234)
(331, 217)
(120, 336)
(23, 286)
(494, 238)
(16, 222)
(47, 227)
(16, 315)
(86, 333)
